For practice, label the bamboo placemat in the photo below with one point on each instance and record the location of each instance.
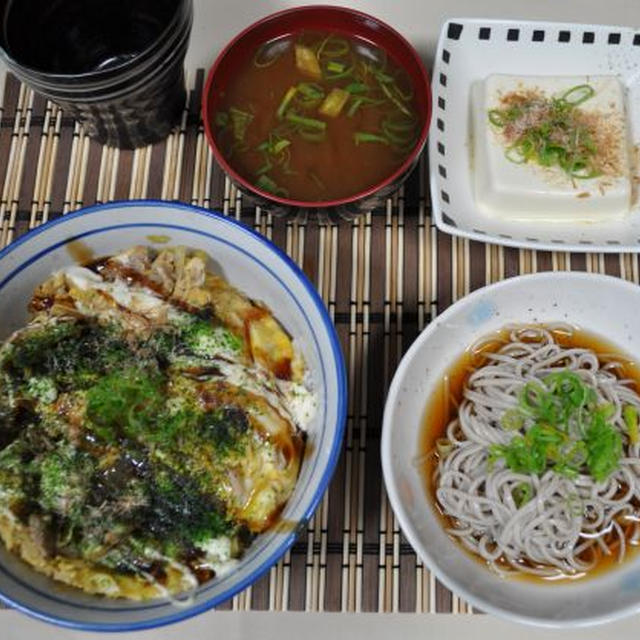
(383, 278)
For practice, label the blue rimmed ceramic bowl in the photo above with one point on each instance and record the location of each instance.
(259, 269)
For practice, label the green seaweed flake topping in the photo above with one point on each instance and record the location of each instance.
(121, 480)
(204, 338)
(68, 354)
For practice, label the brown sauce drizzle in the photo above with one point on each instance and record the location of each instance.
(201, 570)
(98, 265)
(202, 573)
(41, 303)
(282, 369)
(309, 447)
(285, 525)
(79, 251)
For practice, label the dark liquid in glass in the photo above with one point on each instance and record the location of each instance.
(114, 65)
(81, 36)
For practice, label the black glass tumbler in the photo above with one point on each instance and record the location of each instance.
(117, 66)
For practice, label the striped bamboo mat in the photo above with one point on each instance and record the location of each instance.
(383, 279)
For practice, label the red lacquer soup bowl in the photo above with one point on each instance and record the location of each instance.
(343, 22)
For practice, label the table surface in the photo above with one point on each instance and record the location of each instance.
(216, 21)
(383, 279)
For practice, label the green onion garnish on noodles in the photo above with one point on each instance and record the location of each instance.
(560, 427)
(522, 493)
(630, 415)
(512, 420)
(604, 448)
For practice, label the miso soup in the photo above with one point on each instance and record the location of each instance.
(317, 117)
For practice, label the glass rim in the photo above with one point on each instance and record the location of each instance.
(105, 91)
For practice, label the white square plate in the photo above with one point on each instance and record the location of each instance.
(468, 51)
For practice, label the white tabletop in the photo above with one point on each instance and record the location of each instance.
(215, 22)
(252, 625)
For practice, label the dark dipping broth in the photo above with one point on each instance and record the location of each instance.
(442, 409)
(317, 117)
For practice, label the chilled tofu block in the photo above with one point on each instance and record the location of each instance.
(551, 148)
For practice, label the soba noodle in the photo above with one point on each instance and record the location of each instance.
(566, 523)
